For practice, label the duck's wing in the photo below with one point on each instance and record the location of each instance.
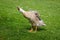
(37, 15)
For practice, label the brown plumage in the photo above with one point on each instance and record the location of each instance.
(33, 17)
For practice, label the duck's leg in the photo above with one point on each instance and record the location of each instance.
(36, 28)
(31, 30)
(31, 26)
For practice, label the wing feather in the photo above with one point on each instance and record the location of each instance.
(37, 15)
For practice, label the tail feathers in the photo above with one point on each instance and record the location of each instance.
(42, 23)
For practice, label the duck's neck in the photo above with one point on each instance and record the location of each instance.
(21, 10)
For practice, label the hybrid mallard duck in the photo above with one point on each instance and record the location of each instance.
(33, 17)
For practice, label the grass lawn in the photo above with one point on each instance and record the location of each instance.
(13, 26)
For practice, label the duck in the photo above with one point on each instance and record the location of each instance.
(33, 17)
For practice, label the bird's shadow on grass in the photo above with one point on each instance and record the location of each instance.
(39, 29)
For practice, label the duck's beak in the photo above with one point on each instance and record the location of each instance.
(18, 8)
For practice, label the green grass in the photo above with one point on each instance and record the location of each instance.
(13, 26)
